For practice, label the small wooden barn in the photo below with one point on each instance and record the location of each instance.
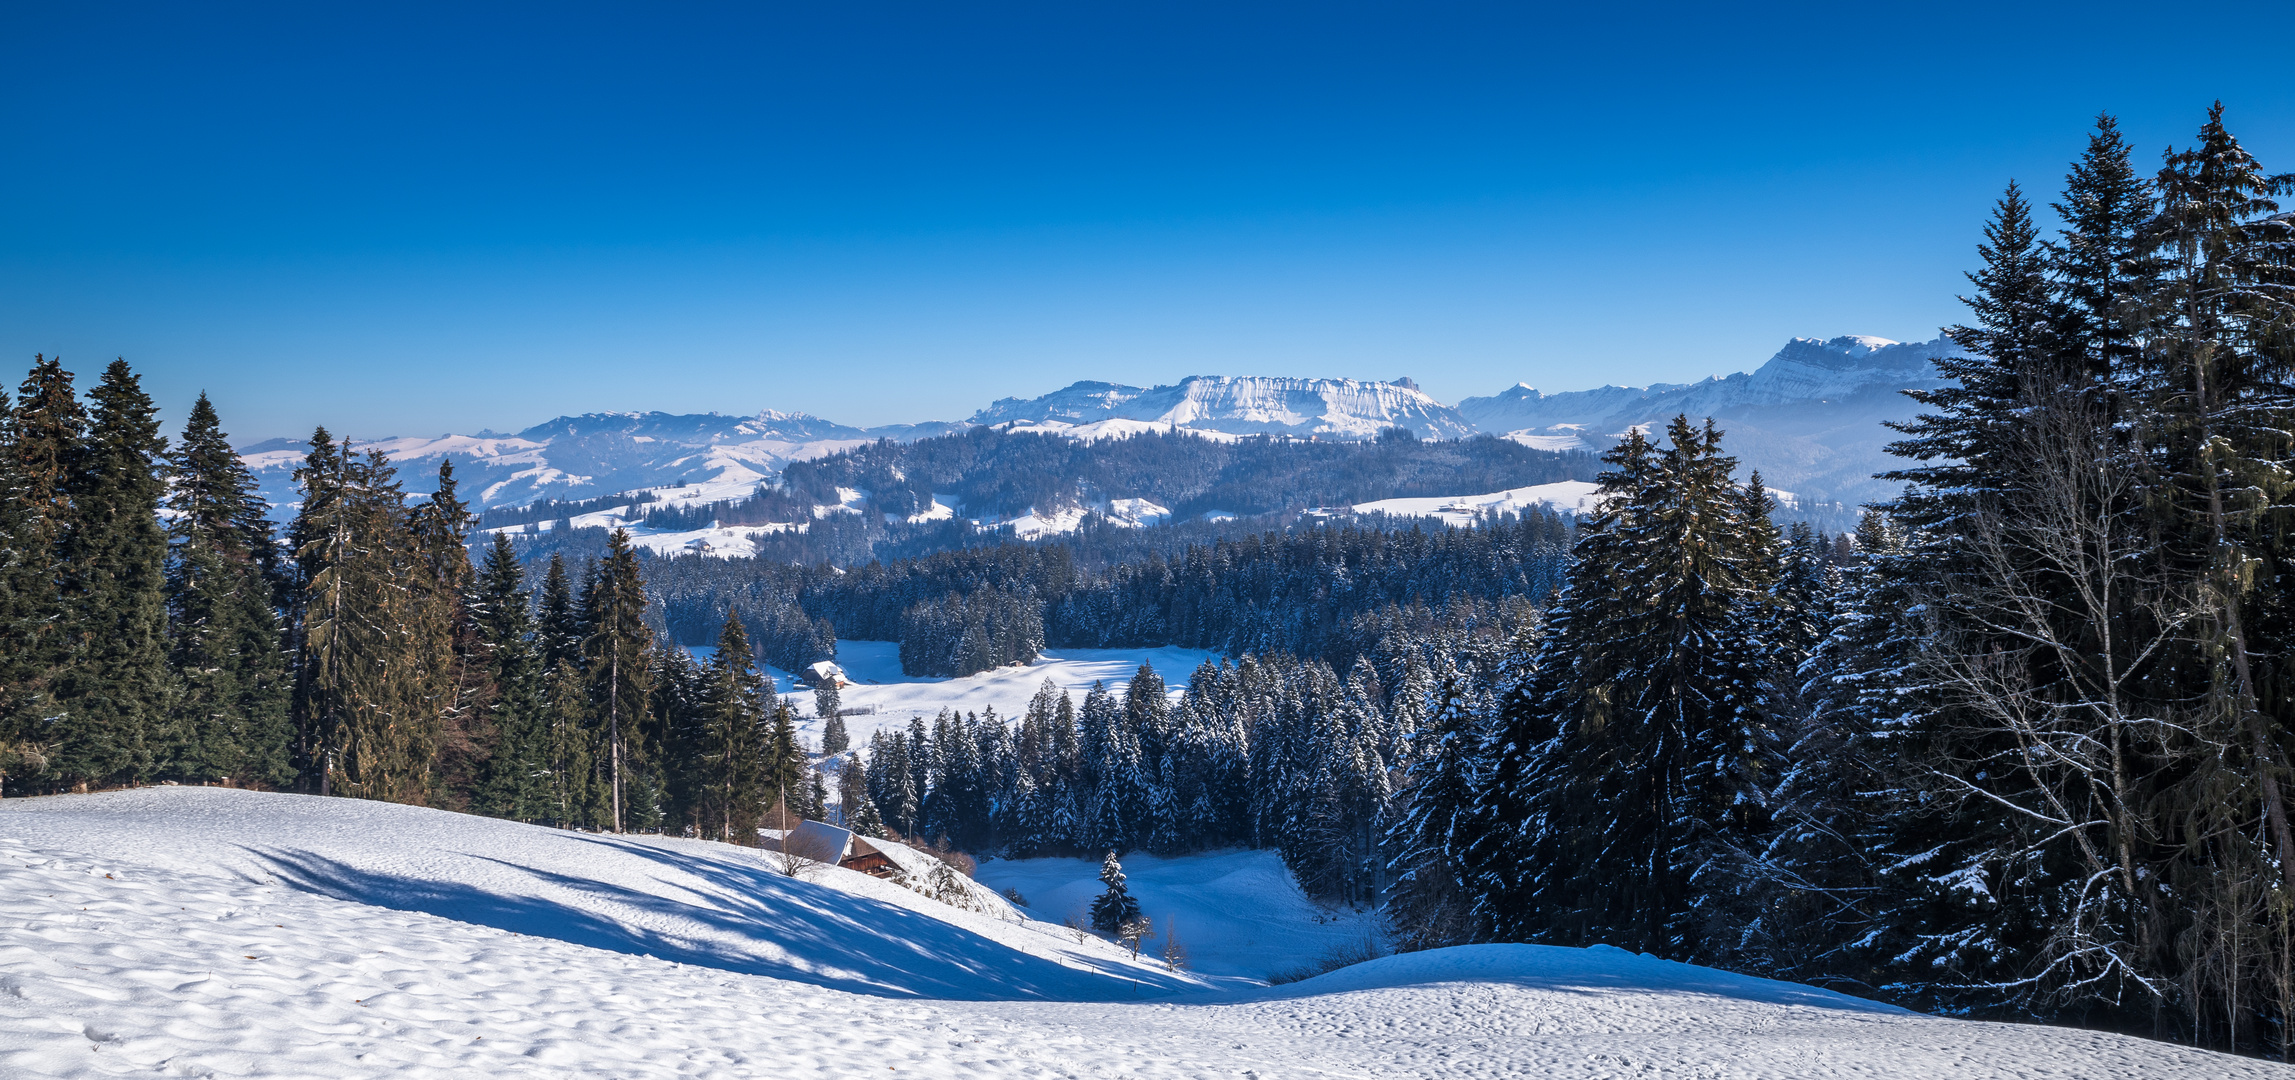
(829, 843)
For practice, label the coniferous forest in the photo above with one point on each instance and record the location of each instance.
(2019, 746)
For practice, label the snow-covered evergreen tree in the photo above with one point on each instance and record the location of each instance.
(1117, 906)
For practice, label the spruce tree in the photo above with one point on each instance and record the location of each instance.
(730, 757)
(1115, 907)
(617, 652)
(48, 441)
(115, 687)
(443, 639)
(27, 592)
(834, 738)
(517, 782)
(859, 811)
(373, 675)
(1646, 751)
(558, 622)
(1428, 907)
(230, 721)
(785, 760)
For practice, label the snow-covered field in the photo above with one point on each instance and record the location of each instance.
(1238, 913)
(196, 932)
(1576, 496)
(874, 667)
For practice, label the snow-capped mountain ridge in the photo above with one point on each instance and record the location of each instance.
(1243, 405)
(1809, 419)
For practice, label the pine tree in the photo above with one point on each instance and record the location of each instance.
(369, 694)
(617, 654)
(730, 758)
(1429, 905)
(1646, 750)
(230, 721)
(785, 760)
(518, 778)
(834, 738)
(1116, 906)
(115, 687)
(858, 811)
(443, 640)
(559, 621)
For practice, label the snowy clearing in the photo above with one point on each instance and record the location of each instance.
(197, 932)
(1576, 496)
(1238, 913)
(874, 667)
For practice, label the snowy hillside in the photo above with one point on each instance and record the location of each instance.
(1242, 405)
(581, 457)
(202, 932)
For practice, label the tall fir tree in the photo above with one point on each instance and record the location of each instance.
(617, 651)
(1646, 751)
(730, 757)
(230, 722)
(114, 687)
(517, 778)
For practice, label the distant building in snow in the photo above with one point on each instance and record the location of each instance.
(826, 672)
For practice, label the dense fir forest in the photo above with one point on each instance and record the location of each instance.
(2019, 747)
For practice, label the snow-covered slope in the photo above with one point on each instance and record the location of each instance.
(1237, 913)
(581, 457)
(190, 932)
(1242, 405)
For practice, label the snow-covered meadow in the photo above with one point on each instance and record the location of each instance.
(202, 932)
(874, 667)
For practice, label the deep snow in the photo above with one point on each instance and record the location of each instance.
(194, 932)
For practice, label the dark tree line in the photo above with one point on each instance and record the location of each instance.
(132, 650)
(1297, 593)
(1253, 484)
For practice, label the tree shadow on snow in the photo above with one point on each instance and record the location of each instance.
(810, 933)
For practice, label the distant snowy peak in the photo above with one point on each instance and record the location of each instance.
(1242, 405)
(1806, 369)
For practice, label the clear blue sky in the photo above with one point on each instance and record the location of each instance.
(409, 221)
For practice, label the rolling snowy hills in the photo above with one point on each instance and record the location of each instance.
(1809, 419)
(206, 932)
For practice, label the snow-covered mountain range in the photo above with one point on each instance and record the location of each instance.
(1237, 405)
(1809, 419)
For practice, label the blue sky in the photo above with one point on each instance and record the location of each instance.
(410, 220)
